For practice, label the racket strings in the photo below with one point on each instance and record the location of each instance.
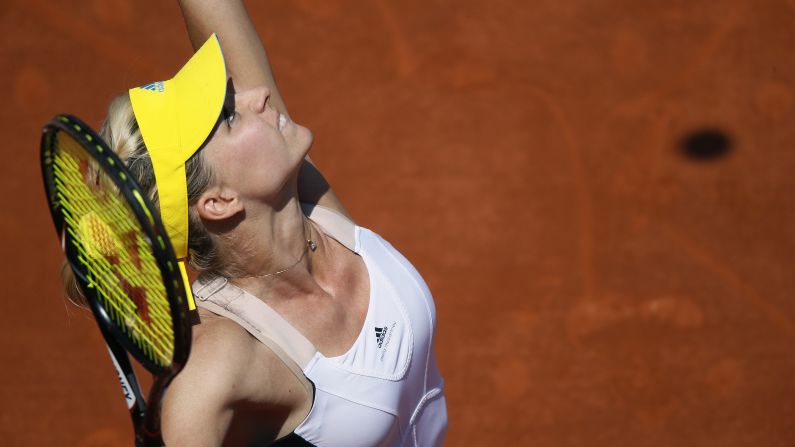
(105, 243)
(114, 250)
(104, 277)
(123, 311)
(90, 256)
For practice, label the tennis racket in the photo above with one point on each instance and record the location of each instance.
(123, 261)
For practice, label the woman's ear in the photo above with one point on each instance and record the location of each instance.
(218, 204)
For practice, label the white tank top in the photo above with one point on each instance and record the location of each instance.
(386, 390)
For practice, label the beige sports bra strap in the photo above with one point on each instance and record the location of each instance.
(333, 223)
(259, 319)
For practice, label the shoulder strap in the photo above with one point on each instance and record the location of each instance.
(222, 298)
(333, 224)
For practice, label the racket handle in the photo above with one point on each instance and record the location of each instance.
(127, 380)
(152, 436)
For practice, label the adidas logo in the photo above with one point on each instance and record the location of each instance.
(154, 87)
(380, 333)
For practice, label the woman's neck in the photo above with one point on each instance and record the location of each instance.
(269, 243)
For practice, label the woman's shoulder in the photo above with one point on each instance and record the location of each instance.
(226, 364)
(215, 332)
(218, 351)
(226, 370)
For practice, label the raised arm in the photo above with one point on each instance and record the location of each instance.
(244, 53)
(248, 64)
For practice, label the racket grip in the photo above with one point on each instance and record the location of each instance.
(127, 380)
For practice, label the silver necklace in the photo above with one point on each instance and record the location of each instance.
(310, 245)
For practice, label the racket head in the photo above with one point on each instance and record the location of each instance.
(116, 245)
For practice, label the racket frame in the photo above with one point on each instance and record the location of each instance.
(145, 415)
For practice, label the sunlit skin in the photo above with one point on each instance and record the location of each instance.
(249, 152)
(255, 166)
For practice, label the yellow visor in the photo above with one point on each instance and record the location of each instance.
(175, 118)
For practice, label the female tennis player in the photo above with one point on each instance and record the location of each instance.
(313, 330)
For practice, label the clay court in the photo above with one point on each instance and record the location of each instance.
(599, 194)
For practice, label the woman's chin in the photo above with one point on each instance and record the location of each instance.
(303, 141)
(306, 136)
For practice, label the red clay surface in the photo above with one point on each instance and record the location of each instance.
(594, 285)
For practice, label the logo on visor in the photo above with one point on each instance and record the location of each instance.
(154, 87)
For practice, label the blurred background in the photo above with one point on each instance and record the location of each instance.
(599, 194)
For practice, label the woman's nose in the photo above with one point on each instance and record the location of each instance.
(257, 98)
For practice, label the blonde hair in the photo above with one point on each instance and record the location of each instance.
(120, 131)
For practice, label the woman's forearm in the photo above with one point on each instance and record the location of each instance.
(248, 64)
(246, 59)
